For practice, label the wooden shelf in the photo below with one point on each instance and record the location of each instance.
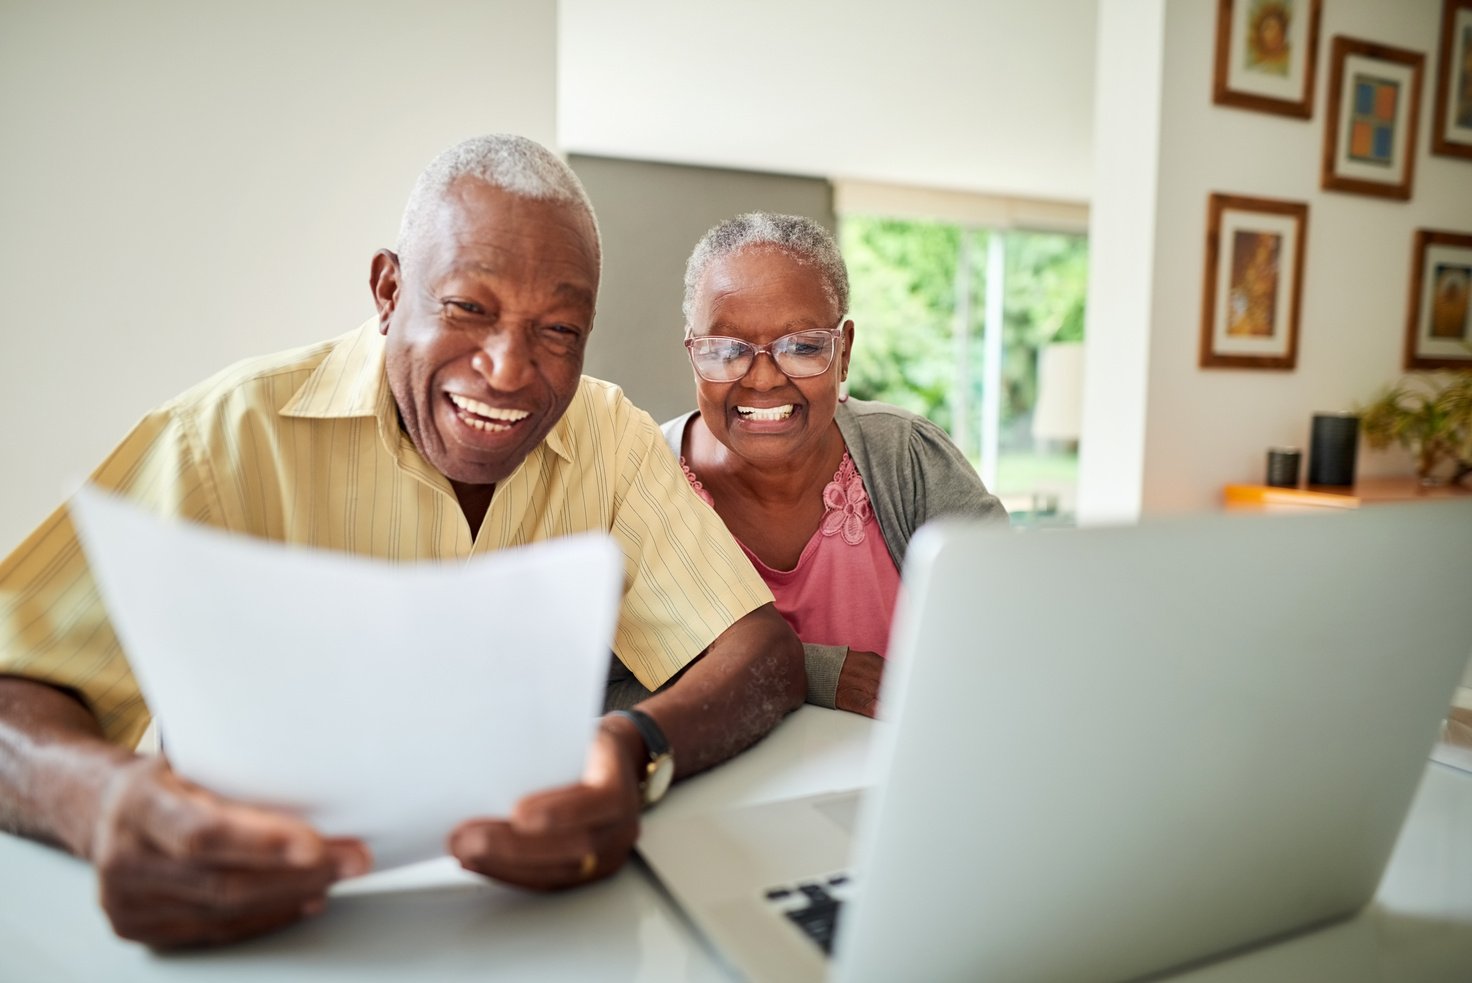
(1366, 491)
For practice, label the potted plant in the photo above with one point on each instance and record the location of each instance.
(1433, 423)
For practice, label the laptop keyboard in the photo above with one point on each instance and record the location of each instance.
(813, 905)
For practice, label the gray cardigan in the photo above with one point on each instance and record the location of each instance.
(912, 472)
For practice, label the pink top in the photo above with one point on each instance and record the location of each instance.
(842, 590)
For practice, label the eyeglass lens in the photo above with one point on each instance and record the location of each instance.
(798, 355)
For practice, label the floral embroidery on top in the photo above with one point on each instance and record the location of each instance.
(847, 502)
(695, 484)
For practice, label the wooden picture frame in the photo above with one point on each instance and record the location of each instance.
(1451, 123)
(1253, 282)
(1374, 106)
(1439, 313)
(1266, 55)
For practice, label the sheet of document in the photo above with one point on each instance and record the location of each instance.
(377, 700)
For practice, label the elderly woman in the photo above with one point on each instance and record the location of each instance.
(822, 492)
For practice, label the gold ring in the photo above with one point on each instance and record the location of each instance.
(588, 866)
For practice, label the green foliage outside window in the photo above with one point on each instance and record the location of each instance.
(1047, 279)
(903, 302)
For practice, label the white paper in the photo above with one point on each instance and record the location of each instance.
(386, 701)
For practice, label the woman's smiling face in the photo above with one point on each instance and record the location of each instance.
(757, 295)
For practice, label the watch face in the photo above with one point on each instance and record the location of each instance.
(661, 773)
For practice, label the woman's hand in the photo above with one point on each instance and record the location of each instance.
(858, 683)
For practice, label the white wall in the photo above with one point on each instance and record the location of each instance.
(1205, 428)
(185, 184)
(1121, 254)
(980, 95)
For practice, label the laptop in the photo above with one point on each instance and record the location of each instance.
(1115, 751)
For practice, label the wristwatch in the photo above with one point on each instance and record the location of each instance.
(660, 770)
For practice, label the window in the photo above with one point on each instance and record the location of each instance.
(979, 329)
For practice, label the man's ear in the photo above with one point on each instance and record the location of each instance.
(383, 280)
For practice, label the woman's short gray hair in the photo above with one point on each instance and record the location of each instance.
(807, 241)
(512, 163)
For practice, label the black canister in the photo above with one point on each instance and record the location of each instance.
(1283, 466)
(1331, 451)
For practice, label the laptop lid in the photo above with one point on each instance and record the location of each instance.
(1119, 750)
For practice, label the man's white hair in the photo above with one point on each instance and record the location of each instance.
(807, 241)
(512, 163)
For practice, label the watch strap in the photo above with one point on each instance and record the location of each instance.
(654, 739)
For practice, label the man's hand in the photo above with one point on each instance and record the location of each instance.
(724, 700)
(179, 866)
(858, 683)
(563, 837)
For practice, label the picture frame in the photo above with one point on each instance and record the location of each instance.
(1439, 313)
(1253, 282)
(1266, 55)
(1451, 122)
(1374, 106)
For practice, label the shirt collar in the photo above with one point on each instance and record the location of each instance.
(349, 382)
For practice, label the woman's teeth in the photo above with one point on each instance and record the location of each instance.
(483, 416)
(765, 412)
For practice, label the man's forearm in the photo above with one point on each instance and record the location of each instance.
(54, 765)
(746, 682)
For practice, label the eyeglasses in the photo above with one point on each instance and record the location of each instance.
(799, 355)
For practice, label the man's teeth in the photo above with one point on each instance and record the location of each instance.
(483, 416)
(765, 412)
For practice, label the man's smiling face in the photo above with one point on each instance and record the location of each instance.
(487, 318)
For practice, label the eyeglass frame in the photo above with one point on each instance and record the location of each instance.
(836, 331)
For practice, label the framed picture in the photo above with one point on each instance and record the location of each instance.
(1374, 102)
(1253, 282)
(1451, 123)
(1439, 324)
(1265, 55)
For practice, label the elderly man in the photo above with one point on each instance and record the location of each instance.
(455, 423)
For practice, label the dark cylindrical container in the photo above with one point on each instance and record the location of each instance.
(1331, 451)
(1283, 466)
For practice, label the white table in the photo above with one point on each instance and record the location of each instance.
(435, 922)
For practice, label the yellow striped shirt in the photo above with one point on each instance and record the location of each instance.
(305, 447)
